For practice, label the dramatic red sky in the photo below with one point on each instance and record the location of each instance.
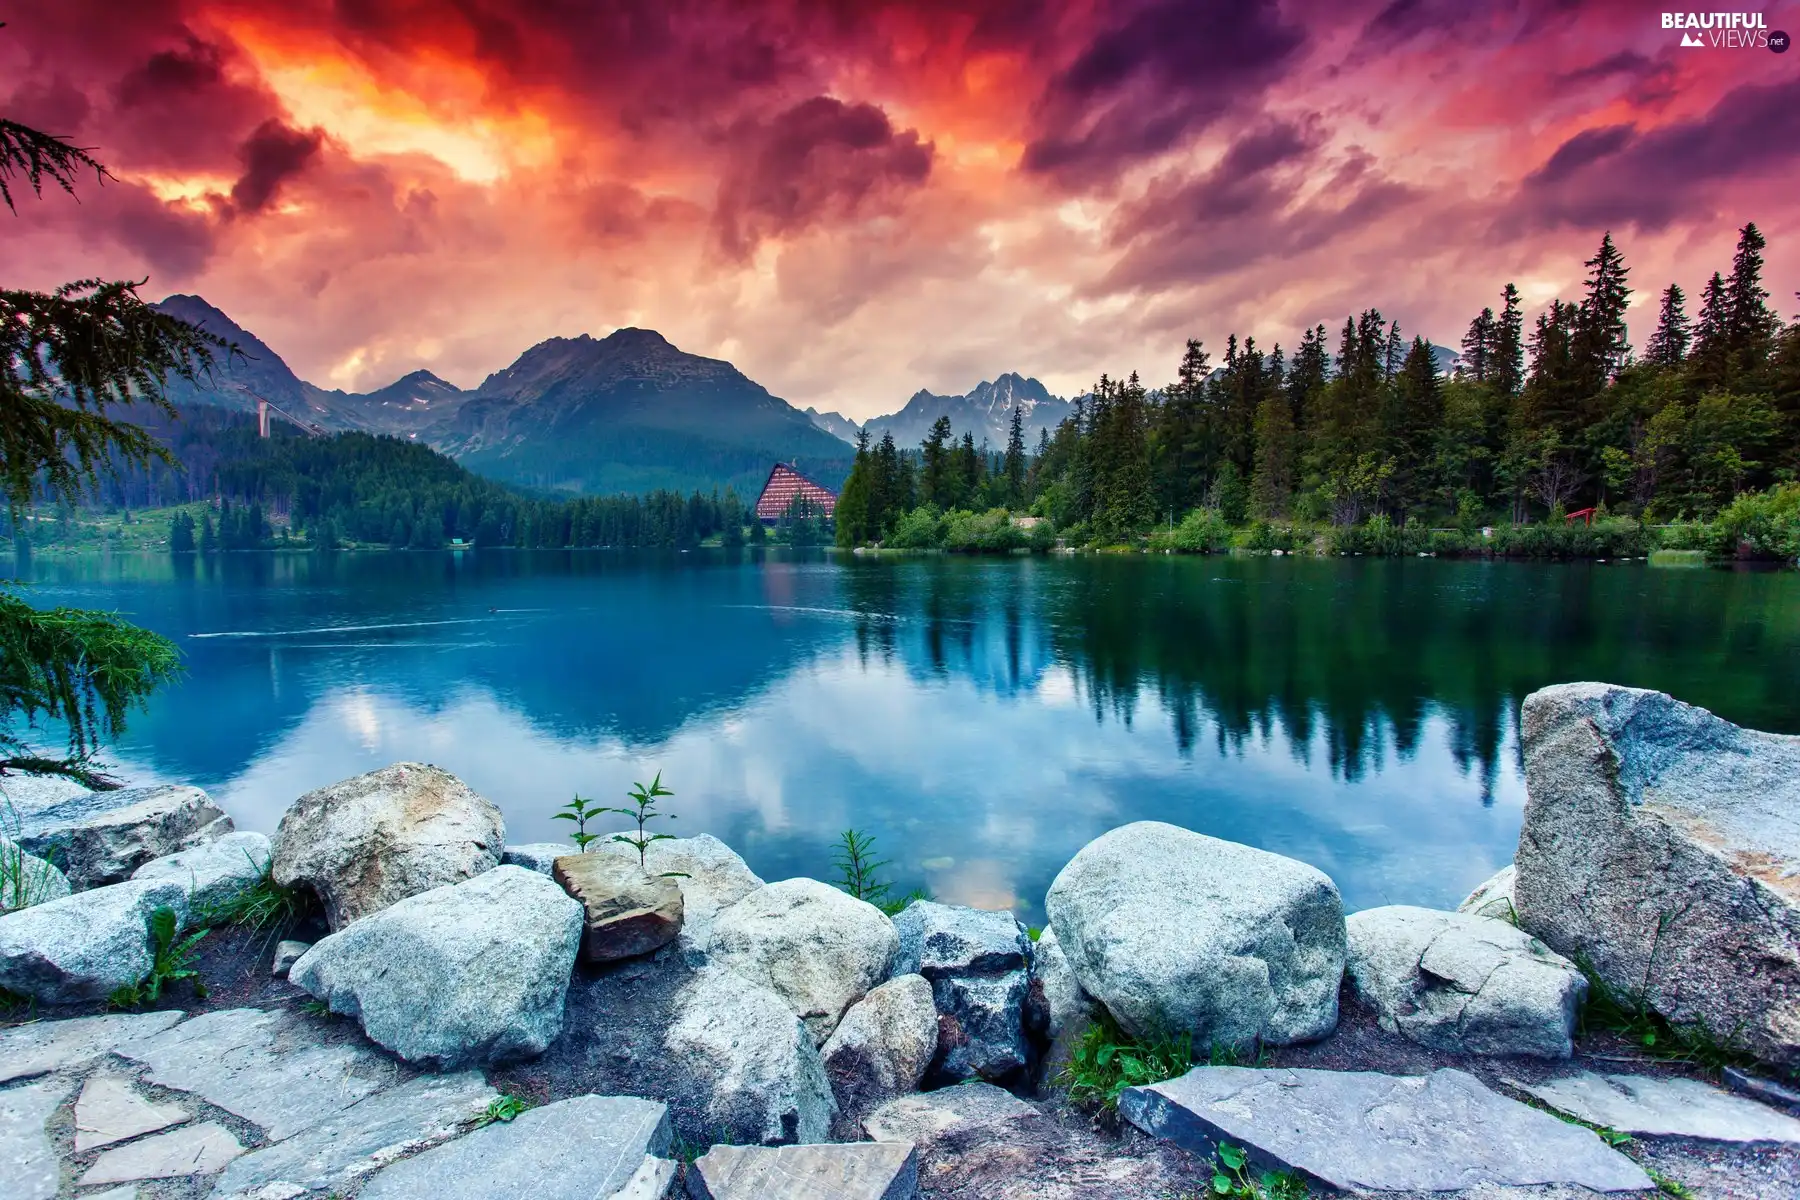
(851, 200)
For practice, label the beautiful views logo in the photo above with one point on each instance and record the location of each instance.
(1725, 30)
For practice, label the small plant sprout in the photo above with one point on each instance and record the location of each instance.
(171, 961)
(581, 810)
(504, 1107)
(1231, 1177)
(644, 811)
(858, 868)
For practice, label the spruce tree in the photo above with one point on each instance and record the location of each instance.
(1015, 457)
(1667, 347)
(1599, 346)
(937, 481)
(1710, 360)
(1749, 323)
(1506, 361)
(1272, 485)
(1477, 345)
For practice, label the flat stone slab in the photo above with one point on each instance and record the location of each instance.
(1648, 1106)
(583, 1148)
(44, 1046)
(849, 1171)
(651, 1182)
(269, 1067)
(110, 1111)
(345, 1147)
(196, 1150)
(923, 1118)
(27, 1159)
(1758, 1088)
(1364, 1130)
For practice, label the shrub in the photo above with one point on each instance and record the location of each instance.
(989, 532)
(1761, 524)
(921, 529)
(1202, 531)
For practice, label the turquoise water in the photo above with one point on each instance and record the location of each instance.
(982, 718)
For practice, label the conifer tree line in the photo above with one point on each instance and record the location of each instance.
(1537, 419)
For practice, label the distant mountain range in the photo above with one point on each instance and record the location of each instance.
(985, 410)
(625, 413)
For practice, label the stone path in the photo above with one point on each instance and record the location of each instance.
(250, 1104)
(1646, 1106)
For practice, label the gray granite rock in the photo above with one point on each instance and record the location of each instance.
(1462, 983)
(347, 1146)
(472, 973)
(1653, 1106)
(922, 1119)
(1055, 1001)
(652, 1181)
(212, 873)
(816, 947)
(110, 1110)
(287, 953)
(273, 1068)
(26, 1154)
(1661, 845)
(1175, 931)
(713, 877)
(1494, 897)
(43, 1046)
(626, 912)
(98, 838)
(1359, 1130)
(26, 879)
(84, 946)
(364, 843)
(976, 963)
(855, 1171)
(1758, 1087)
(583, 1148)
(752, 1061)
(881, 1048)
(536, 856)
(194, 1150)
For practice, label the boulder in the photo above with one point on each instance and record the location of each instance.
(472, 973)
(625, 911)
(858, 1171)
(1055, 1002)
(536, 856)
(1656, 1106)
(1367, 1132)
(712, 877)
(213, 873)
(364, 843)
(1494, 898)
(85, 946)
(1462, 983)
(1661, 849)
(975, 961)
(1176, 932)
(97, 838)
(26, 879)
(729, 1057)
(287, 953)
(881, 1048)
(816, 947)
(583, 1148)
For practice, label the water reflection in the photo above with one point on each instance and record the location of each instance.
(982, 718)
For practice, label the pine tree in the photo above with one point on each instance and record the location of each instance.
(853, 509)
(1599, 346)
(1272, 485)
(181, 534)
(1015, 457)
(1477, 346)
(1749, 325)
(1667, 347)
(935, 453)
(1709, 362)
(209, 540)
(1506, 362)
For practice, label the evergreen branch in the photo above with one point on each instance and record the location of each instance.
(34, 156)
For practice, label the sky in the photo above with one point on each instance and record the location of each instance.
(854, 199)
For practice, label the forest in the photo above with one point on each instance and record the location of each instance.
(1531, 425)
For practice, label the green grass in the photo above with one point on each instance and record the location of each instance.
(261, 905)
(14, 1007)
(1668, 1186)
(1629, 1017)
(316, 1008)
(1106, 1060)
(1678, 558)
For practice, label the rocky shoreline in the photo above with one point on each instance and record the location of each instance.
(397, 1002)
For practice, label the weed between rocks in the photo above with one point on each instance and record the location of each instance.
(1630, 1016)
(859, 873)
(261, 905)
(171, 962)
(1106, 1060)
(505, 1107)
(1232, 1178)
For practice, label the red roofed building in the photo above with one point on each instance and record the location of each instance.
(785, 486)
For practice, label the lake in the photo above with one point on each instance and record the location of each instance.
(983, 718)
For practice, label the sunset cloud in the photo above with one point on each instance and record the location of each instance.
(852, 201)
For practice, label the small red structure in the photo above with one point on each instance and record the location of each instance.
(1587, 513)
(787, 485)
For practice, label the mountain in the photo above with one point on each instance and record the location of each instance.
(836, 424)
(624, 413)
(986, 411)
(630, 412)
